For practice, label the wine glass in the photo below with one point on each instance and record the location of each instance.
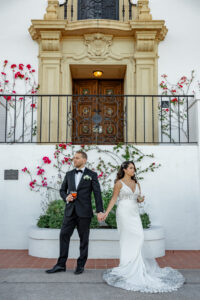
(74, 194)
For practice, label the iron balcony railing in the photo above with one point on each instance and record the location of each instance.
(98, 119)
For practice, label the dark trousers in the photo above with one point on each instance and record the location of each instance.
(68, 226)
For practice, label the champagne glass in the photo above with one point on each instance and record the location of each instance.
(74, 194)
(140, 198)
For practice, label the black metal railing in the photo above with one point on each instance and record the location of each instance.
(105, 9)
(98, 119)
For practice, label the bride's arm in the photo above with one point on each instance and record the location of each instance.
(116, 190)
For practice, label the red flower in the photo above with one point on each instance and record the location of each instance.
(18, 74)
(40, 171)
(14, 92)
(100, 175)
(82, 146)
(167, 109)
(63, 146)
(26, 78)
(33, 105)
(21, 98)
(44, 184)
(46, 160)
(164, 75)
(1, 90)
(28, 66)
(174, 100)
(6, 81)
(3, 73)
(13, 66)
(173, 91)
(24, 169)
(5, 61)
(180, 85)
(21, 66)
(32, 184)
(153, 163)
(33, 71)
(8, 98)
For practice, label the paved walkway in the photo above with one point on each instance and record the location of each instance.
(178, 259)
(35, 284)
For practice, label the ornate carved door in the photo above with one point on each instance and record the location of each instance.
(98, 112)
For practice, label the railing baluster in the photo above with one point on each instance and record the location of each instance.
(58, 119)
(72, 10)
(135, 120)
(65, 9)
(6, 121)
(49, 117)
(144, 119)
(15, 119)
(153, 118)
(32, 121)
(179, 130)
(23, 119)
(188, 132)
(41, 118)
(126, 121)
(170, 120)
(161, 119)
(67, 116)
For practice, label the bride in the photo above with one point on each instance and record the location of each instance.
(135, 272)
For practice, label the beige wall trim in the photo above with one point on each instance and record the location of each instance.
(132, 44)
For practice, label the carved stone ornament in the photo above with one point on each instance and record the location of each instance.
(98, 44)
(50, 40)
(52, 10)
(144, 10)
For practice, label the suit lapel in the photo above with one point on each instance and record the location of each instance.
(73, 180)
(82, 180)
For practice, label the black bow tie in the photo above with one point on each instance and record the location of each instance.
(77, 171)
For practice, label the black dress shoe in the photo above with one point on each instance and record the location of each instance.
(55, 269)
(79, 270)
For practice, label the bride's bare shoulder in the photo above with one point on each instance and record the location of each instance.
(118, 184)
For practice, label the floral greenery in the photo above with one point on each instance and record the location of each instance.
(62, 163)
(63, 155)
(18, 79)
(177, 108)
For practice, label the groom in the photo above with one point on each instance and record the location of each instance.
(78, 212)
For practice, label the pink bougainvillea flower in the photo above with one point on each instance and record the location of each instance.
(33, 105)
(6, 81)
(28, 66)
(13, 66)
(173, 91)
(24, 169)
(164, 75)
(3, 73)
(20, 75)
(21, 66)
(21, 98)
(174, 100)
(26, 78)
(14, 92)
(5, 61)
(46, 160)
(33, 71)
(180, 85)
(40, 171)
(8, 98)
(63, 146)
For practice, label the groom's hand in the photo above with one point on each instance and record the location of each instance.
(69, 198)
(100, 216)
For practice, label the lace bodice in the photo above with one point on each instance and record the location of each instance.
(126, 193)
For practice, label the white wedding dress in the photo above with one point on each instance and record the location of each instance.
(135, 272)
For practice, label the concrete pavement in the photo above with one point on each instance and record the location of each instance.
(35, 284)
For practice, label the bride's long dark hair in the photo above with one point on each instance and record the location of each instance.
(121, 173)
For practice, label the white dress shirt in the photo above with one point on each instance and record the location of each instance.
(78, 177)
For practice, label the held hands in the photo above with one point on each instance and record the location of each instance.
(102, 216)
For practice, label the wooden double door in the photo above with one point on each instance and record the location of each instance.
(97, 112)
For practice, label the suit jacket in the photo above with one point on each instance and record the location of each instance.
(82, 203)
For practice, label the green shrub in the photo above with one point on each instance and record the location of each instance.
(54, 215)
